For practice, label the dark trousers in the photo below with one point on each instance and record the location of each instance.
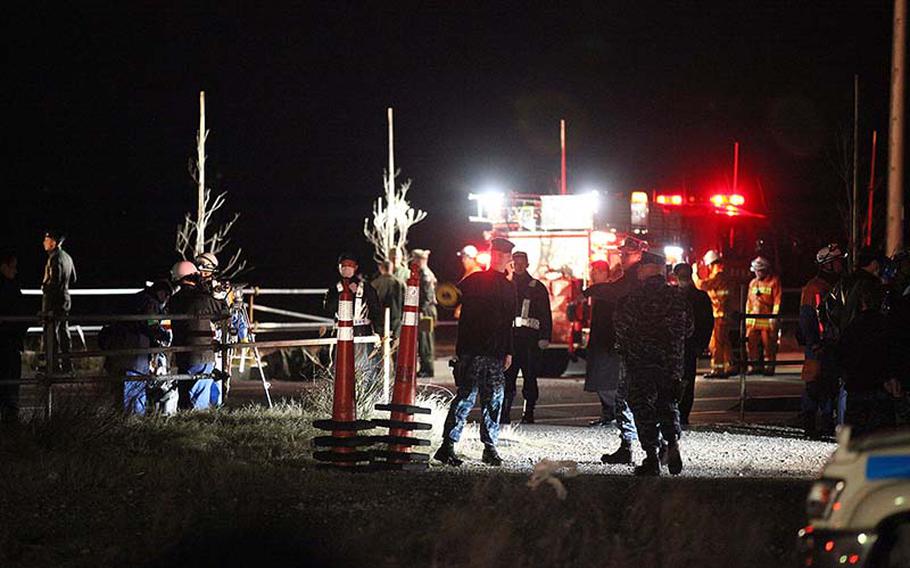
(527, 360)
(62, 342)
(687, 396)
(652, 396)
(10, 370)
(818, 403)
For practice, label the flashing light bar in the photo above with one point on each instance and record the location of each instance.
(669, 199)
(722, 200)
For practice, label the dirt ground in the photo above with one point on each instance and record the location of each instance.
(239, 488)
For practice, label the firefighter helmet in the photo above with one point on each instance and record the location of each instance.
(207, 262)
(183, 269)
(760, 263)
(711, 257)
(829, 253)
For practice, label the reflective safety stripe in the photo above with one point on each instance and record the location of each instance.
(345, 310)
(345, 334)
(532, 323)
(410, 318)
(362, 322)
(411, 296)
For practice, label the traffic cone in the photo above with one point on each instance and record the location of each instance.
(344, 442)
(398, 455)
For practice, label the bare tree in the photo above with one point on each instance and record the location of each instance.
(194, 237)
(393, 215)
(841, 159)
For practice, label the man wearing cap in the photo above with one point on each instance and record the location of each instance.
(531, 335)
(718, 286)
(615, 380)
(427, 309)
(484, 352)
(652, 326)
(367, 310)
(59, 274)
(703, 318)
(468, 256)
(390, 290)
(764, 298)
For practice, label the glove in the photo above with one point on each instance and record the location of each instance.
(543, 343)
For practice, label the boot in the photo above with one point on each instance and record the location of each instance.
(650, 467)
(491, 456)
(528, 416)
(600, 422)
(674, 458)
(623, 455)
(446, 454)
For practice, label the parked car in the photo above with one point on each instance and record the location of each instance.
(859, 511)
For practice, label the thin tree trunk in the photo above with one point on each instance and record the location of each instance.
(200, 178)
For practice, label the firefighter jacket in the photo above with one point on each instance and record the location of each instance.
(533, 319)
(59, 273)
(652, 325)
(196, 301)
(719, 288)
(764, 298)
(367, 310)
(810, 327)
(427, 298)
(134, 335)
(487, 314)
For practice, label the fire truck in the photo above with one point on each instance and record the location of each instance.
(562, 234)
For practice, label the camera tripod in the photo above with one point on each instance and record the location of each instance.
(240, 319)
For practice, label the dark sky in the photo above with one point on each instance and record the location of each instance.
(102, 111)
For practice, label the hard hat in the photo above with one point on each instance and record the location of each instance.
(711, 257)
(207, 261)
(760, 263)
(631, 244)
(183, 269)
(469, 251)
(829, 253)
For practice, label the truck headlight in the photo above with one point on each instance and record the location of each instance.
(822, 496)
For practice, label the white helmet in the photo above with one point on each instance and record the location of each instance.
(183, 269)
(760, 263)
(469, 251)
(711, 257)
(829, 253)
(207, 261)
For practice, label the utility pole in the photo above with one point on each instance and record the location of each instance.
(200, 178)
(562, 140)
(895, 228)
(854, 200)
(735, 166)
(871, 205)
(390, 189)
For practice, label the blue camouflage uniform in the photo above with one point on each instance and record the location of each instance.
(651, 330)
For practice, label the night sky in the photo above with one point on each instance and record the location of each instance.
(102, 111)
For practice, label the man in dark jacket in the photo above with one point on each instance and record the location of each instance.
(652, 326)
(703, 319)
(531, 335)
(136, 335)
(866, 354)
(390, 291)
(367, 313)
(195, 299)
(603, 365)
(12, 336)
(427, 308)
(59, 274)
(484, 349)
(631, 252)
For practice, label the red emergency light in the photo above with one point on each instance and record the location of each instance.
(669, 199)
(721, 200)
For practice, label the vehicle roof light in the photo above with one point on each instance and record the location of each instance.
(737, 199)
(669, 199)
(719, 200)
(639, 197)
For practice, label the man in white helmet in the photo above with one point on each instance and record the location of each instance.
(818, 373)
(710, 277)
(764, 298)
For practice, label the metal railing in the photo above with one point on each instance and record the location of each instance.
(50, 376)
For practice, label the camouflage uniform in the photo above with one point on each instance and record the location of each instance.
(481, 375)
(651, 331)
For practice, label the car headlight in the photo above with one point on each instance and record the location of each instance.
(822, 497)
